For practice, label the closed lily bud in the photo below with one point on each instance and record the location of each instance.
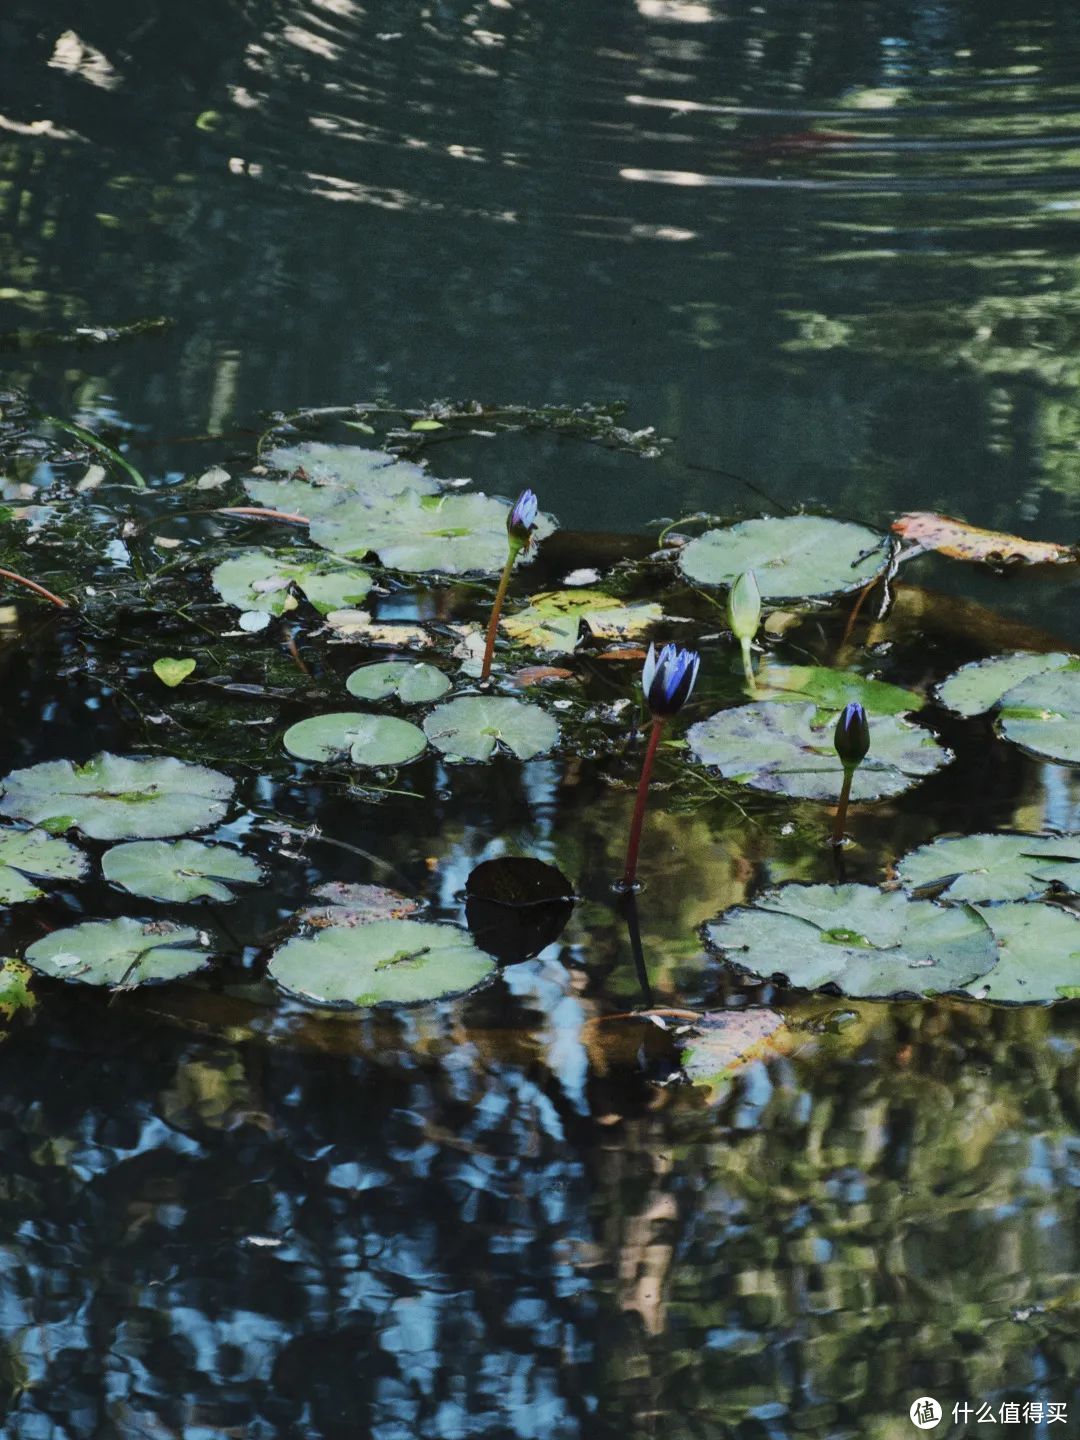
(744, 606)
(852, 735)
(521, 521)
(668, 678)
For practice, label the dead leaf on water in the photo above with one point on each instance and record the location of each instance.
(960, 541)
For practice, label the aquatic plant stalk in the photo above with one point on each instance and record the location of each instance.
(94, 442)
(744, 617)
(35, 587)
(496, 611)
(630, 869)
(842, 805)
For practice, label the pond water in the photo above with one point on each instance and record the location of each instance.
(829, 253)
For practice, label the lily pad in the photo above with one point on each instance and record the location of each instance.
(115, 797)
(832, 689)
(471, 728)
(727, 1040)
(374, 740)
(1038, 954)
(1042, 714)
(866, 942)
(173, 672)
(412, 681)
(348, 903)
(119, 953)
(260, 581)
(980, 685)
(178, 869)
(979, 868)
(793, 558)
(33, 852)
(787, 749)
(554, 618)
(450, 534)
(389, 961)
(322, 477)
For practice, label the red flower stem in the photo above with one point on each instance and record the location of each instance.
(841, 809)
(496, 611)
(630, 872)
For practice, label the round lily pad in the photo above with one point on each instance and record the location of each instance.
(414, 682)
(1038, 954)
(374, 740)
(388, 961)
(119, 953)
(452, 534)
(260, 581)
(978, 868)
(1042, 714)
(864, 941)
(471, 728)
(178, 869)
(795, 557)
(787, 749)
(115, 797)
(980, 685)
(33, 852)
(832, 689)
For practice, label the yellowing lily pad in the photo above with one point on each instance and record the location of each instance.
(553, 620)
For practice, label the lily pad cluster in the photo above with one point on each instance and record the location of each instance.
(361, 502)
(1035, 700)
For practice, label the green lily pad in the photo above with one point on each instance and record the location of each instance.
(787, 749)
(451, 534)
(793, 558)
(865, 941)
(553, 620)
(115, 797)
(33, 852)
(389, 961)
(173, 672)
(1038, 954)
(178, 869)
(412, 681)
(832, 689)
(374, 740)
(1042, 714)
(258, 580)
(331, 475)
(471, 728)
(981, 684)
(978, 868)
(119, 953)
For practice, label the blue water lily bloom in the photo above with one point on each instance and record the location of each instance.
(521, 521)
(668, 678)
(852, 735)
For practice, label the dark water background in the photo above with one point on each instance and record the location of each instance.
(828, 247)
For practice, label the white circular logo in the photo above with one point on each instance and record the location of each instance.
(925, 1413)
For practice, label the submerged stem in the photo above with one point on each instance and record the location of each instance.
(630, 872)
(496, 611)
(842, 806)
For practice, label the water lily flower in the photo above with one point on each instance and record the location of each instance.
(852, 741)
(744, 617)
(667, 680)
(520, 524)
(521, 521)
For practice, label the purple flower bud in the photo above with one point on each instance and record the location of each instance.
(852, 735)
(668, 678)
(521, 521)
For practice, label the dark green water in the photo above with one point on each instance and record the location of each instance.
(829, 248)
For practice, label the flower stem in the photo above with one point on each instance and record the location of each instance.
(748, 666)
(630, 872)
(496, 611)
(841, 809)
